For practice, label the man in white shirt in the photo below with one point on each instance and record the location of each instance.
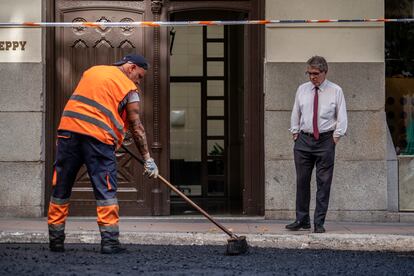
(318, 121)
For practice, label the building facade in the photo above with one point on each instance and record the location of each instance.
(216, 105)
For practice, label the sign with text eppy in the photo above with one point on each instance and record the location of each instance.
(12, 45)
(20, 45)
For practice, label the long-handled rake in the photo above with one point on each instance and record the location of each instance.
(236, 245)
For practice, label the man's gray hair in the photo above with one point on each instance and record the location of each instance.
(318, 62)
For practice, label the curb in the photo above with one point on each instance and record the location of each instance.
(352, 242)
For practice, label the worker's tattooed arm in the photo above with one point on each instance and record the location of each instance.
(137, 129)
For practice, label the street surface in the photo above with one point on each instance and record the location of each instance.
(85, 259)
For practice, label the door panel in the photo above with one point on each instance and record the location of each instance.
(201, 54)
(238, 129)
(80, 48)
(73, 50)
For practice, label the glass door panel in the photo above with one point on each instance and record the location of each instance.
(215, 88)
(185, 137)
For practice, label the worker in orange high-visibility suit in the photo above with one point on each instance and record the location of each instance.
(103, 107)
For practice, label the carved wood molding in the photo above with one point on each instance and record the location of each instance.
(156, 7)
(82, 4)
(157, 192)
(231, 5)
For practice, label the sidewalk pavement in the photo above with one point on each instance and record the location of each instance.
(196, 230)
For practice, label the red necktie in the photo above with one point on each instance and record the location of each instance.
(315, 114)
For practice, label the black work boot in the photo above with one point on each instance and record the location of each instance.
(56, 241)
(111, 247)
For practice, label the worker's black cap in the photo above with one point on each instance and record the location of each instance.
(135, 59)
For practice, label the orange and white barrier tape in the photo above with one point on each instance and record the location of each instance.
(194, 23)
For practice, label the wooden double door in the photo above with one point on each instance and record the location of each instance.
(70, 51)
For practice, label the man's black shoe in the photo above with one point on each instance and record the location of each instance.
(112, 248)
(319, 228)
(56, 246)
(297, 225)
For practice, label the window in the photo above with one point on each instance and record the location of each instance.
(399, 60)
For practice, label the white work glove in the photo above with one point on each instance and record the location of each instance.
(151, 169)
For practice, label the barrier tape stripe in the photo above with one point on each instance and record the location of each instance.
(194, 23)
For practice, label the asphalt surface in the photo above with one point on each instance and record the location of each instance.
(85, 259)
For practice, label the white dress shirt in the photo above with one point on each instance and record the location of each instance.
(331, 109)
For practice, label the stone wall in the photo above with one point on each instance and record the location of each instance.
(406, 179)
(22, 115)
(355, 55)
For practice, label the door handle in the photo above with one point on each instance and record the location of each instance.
(172, 35)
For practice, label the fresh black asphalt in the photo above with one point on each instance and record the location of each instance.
(85, 259)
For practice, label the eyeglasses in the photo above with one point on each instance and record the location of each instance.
(316, 74)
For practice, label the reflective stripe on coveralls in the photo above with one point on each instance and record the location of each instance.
(76, 115)
(102, 108)
(57, 214)
(108, 215)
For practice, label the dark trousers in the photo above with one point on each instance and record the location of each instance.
(73, 151)
(309, 153)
